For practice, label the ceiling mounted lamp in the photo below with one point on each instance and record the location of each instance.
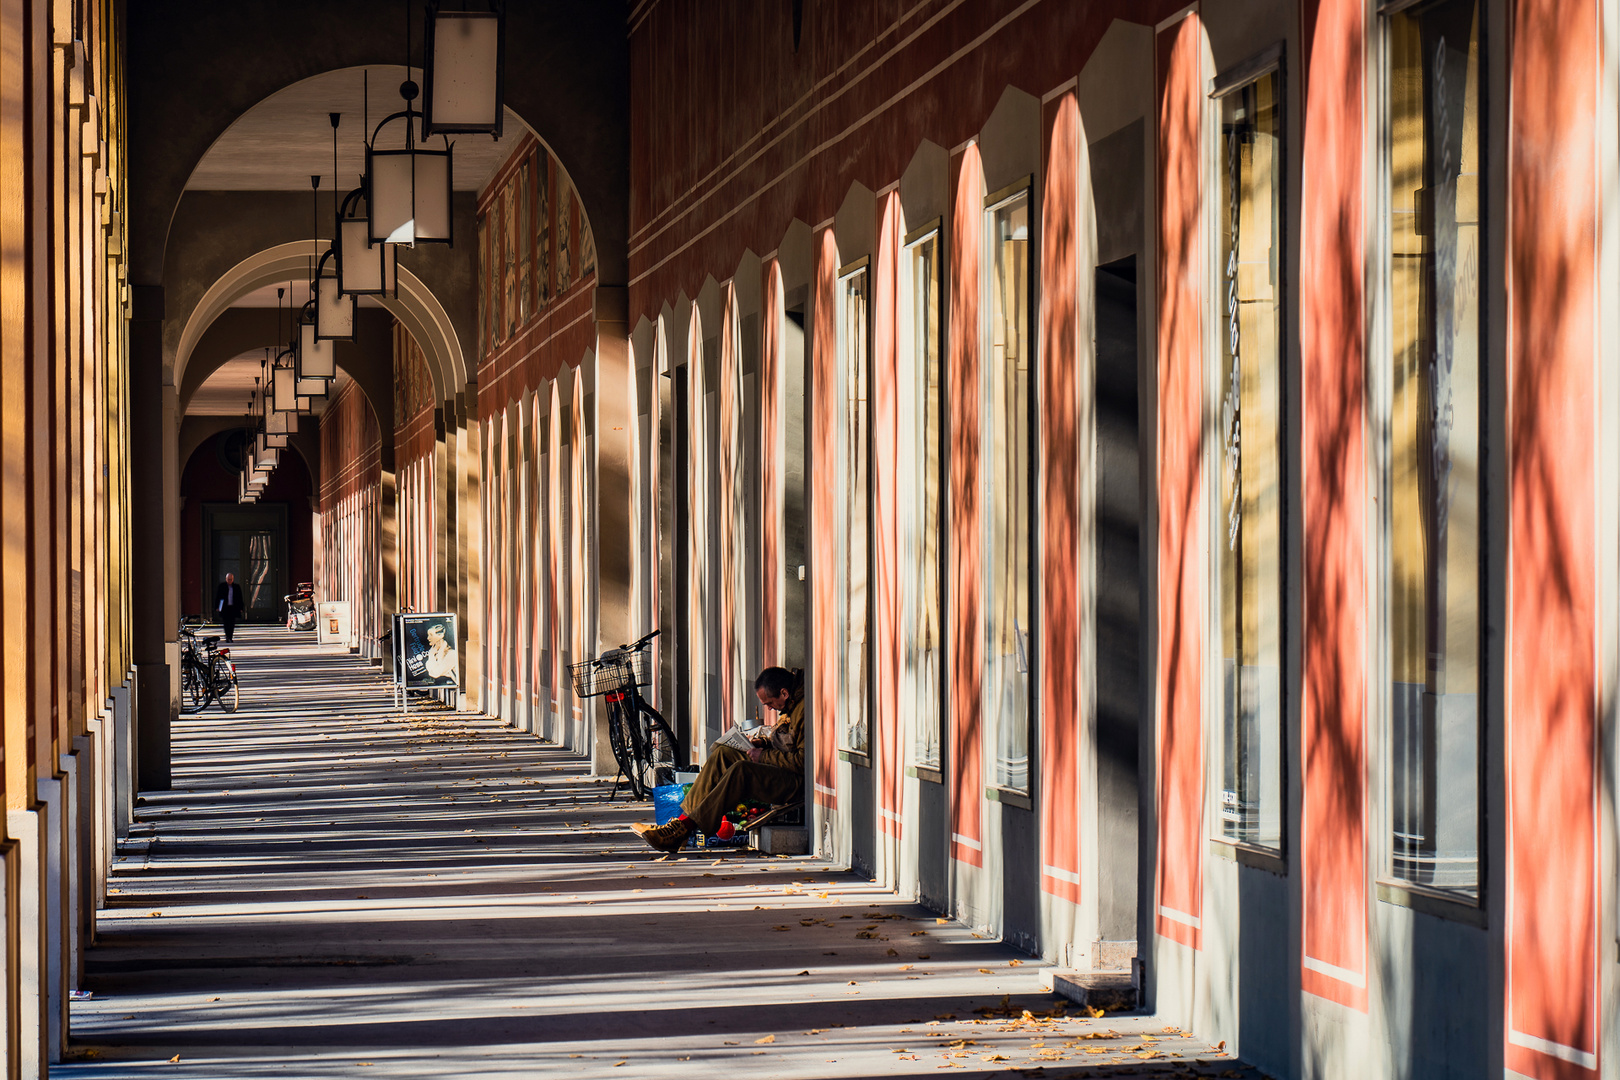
(464, 71)
(317, 356)
(266, 461)
(408, 188)
(334, 309)
(364, 268)
(284, 384)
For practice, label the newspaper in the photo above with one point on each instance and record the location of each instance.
(738, 739)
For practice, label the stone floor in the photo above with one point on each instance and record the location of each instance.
(332, 889)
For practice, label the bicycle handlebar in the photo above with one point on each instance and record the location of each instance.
(640, 643)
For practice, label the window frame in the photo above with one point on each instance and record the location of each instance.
(1022, 797)
(935, 228)
(863, 267)
(1437, 900)
(1270, 61)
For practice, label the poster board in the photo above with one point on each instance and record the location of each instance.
(332, 622)
(429, 644)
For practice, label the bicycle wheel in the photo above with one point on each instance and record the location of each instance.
(225, 689)
(660, 753)
(621, 737)
(193, 692)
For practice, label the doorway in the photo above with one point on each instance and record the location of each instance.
(1120, 622)
(250, 542)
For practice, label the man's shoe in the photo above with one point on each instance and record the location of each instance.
(670, 836)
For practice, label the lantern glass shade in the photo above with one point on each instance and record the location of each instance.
(409, 197)
(265, 460)
(278, 423)
(316, 357)
(462, 83)
(360, 262)
(275, 440)
(282, 387)
(334, 311)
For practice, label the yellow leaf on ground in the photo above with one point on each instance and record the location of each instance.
(175, 1060)
(986, 971)
(1095, 1014)
(764, 1040)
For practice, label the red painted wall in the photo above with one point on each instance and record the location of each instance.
(1333, 463)
(823, 544)
(1179, 671)
(967, 641)
(1059, 394)
(1553, 746)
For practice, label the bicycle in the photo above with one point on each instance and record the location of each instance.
(645, 748)
(207, 673)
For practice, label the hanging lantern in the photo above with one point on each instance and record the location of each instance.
(464, 73)
(364, 268)
(265, 461)
(283, 389)
(334, 309)
(316, 359)
(408, 188)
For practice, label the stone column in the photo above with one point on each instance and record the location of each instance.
(614, 423)
(148, 554)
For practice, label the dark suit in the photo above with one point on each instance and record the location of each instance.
(228, 604)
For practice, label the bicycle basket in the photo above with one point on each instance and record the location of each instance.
(605, 674)
(640, 666)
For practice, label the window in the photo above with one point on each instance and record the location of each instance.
(922, 467)
(1248, 528)
(1434, 483)
(1006, 455)
(854, 508)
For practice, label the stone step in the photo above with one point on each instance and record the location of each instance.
(1114, 991)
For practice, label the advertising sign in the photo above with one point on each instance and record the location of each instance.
(428, 643)
(332, 622)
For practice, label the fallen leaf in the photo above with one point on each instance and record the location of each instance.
(766, 1039)
(806, 972)
(1095, 1014)
(616, 1064)
(1015, 963)
(175, 1060)
(986, 971)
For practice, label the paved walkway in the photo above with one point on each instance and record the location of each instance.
(333, 890)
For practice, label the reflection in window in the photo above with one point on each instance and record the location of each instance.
(1006, 455)
(854, 523)
(923, 649)
(1248, 534)
(1434, 479)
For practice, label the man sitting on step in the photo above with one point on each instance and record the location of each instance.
(772, 772)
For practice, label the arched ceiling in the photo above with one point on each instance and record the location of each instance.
(196, 67)
(282, 141)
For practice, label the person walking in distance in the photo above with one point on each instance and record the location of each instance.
(228, 604)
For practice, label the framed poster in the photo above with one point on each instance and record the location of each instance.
(332, 622)
(428, 642)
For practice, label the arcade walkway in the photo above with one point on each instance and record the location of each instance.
(332, 890)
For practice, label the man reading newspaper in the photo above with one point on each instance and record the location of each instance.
(770, 770)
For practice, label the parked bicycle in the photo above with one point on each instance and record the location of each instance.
(207, 673)
(643, 744)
